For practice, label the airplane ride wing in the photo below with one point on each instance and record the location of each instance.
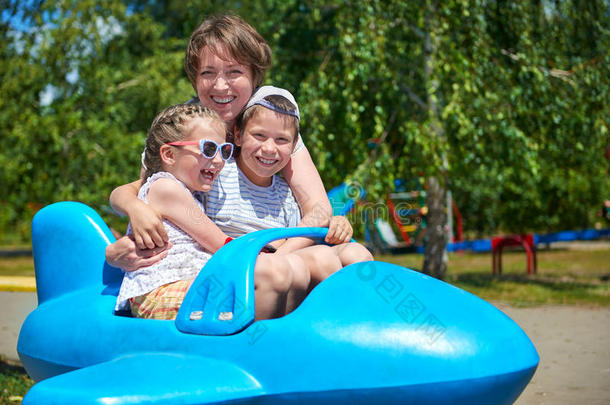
(148, 378)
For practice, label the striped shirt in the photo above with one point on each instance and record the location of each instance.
(239, 206)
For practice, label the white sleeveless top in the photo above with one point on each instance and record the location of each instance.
(184, 259)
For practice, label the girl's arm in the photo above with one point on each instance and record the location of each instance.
(148, 244)
(308, 189)
(146, 222)
(176, 204)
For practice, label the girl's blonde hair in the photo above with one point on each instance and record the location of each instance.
(170, 125)
(243, 43)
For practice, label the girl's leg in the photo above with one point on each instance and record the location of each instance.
(162, 302)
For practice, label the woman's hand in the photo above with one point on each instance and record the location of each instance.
(339, 230)
(147, 226)
(125, 255)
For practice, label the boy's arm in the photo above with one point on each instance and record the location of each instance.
(339, 230)
(146, 222)
(177, 205)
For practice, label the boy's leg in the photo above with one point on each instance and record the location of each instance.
(283, 281)
(321, 261)
(280, 283)
(300, 282)
(350, 253)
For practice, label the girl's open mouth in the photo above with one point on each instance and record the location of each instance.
(208, 175)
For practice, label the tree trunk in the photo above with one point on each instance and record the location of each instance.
(435, 260)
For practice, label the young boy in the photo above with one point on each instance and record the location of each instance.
(248, 195)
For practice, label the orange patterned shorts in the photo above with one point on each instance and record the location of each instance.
(162, 302)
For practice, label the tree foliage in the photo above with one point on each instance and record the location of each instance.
(79, 90)
(504, 103)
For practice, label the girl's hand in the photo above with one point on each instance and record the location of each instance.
(125, 255)
(339, 230)
(147, 226)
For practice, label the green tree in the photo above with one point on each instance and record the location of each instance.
(504, 103)
(80, 88)
(478, 96)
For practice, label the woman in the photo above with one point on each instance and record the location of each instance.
(226, 59)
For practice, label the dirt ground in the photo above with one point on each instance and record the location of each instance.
(574, 348)
(573, 343)
(15, 308)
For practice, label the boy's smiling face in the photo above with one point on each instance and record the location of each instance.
(266, 144)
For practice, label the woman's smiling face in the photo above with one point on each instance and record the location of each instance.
(223, 84)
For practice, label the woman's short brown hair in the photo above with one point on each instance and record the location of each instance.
(242, 42)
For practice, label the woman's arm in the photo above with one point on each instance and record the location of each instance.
(125, 255)
(308, 189)
(146, 222)
(148, 244)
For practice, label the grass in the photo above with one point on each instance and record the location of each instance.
(17, 266)
(565, 276)
(14, 383)
(16, 260)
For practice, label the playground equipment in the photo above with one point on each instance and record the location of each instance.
(408, 211)
(372, 333)
(380, 235)
(526, 241)
(342, 198)
(405, 208)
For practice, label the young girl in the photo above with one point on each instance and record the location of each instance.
(226, 59)
(185, 151)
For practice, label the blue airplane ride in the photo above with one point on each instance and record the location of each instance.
(373, 333)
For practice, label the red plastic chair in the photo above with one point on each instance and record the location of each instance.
(526, 241)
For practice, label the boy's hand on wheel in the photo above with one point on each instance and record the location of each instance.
(339, 230)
